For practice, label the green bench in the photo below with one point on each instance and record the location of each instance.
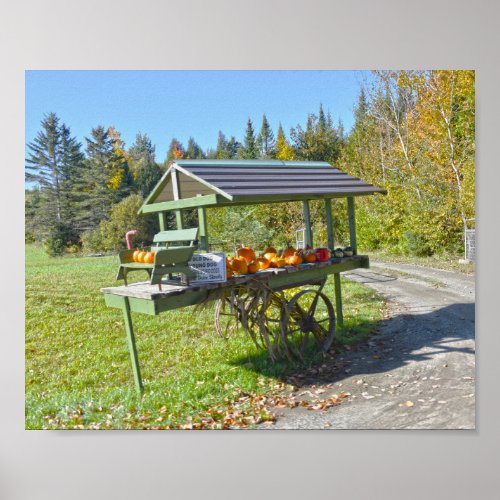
(173, 251)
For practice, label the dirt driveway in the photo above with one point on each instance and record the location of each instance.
(418, 372)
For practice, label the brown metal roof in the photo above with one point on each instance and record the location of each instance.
(196, 183)
(244, 179)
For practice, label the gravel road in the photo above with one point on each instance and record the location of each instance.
(417, 372)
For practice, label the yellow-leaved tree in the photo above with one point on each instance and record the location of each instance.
(119, 165)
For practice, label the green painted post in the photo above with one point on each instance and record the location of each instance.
(352, 224)
(307, 222)
(202, 222)
(329, 224)
(178, 219)
(134, 358)
(163, 221)
(338, 299)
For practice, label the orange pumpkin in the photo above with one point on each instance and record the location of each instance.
(149, 258)
(270, 250)
(253, 267)
(270, 255)
(288, 252)
(295, 259)
(262, 263)
(135, 255)
(247, 253)
(278, 262)
(239, 265)
(310, 257)
(140, 256)
(229, 273)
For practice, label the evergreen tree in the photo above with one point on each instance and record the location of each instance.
(175, 151)
(193, 150)
(266, 144)
(249, 149)
(141, 153)
(341, 132)
(146, 171)
(52, 164)
(221, 152)
(71, 163)
(320, 140)
(147, 178)
(361, 108)
(233, 146)
(322, 119)
(226, 149)
(44, 166)
(97, 193)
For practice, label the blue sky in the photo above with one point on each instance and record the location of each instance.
(166, 104)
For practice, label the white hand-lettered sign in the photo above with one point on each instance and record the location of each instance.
(209, 267)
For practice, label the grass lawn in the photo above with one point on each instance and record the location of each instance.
(78, 372)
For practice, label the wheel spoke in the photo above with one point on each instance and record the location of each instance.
(312, 308)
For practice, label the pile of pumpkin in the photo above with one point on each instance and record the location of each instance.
(246, 260)
(143, 257)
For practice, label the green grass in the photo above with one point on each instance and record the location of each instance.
(78, 372)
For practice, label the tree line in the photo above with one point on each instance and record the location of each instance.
(413, 134)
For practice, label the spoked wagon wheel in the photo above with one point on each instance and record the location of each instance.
(261, 318)
(308, 315)
(226, 317)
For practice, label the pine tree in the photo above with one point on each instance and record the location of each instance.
(43, 165)
(319, 141)
(225, 149)
(71, 163)
(193, 150)
(97, 193)
(233, 146)
(266, 144)
(146, 171)
(141, 153)
(147, 178)
(361, 108)
(53, 161)
(175, 151)
(249, 149)
(221, 152)
(321, 119)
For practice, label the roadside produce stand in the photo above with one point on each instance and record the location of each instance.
(281, 322)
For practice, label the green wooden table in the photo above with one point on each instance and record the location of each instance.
(148, 299)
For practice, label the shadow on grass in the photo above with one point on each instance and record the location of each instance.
(415, 336)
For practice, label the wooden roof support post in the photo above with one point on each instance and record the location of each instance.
(202, 223)
(177, 196)
(307, 223)
(352, 224)
(338, 300)
(162, 216)
(329, 224)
